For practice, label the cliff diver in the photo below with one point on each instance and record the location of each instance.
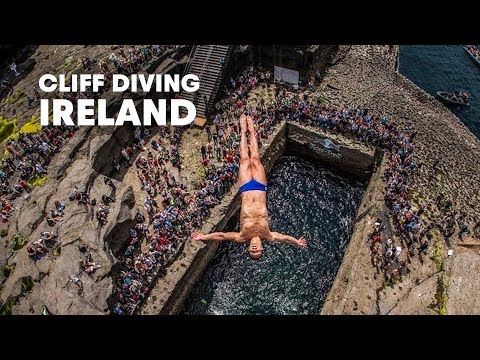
(253, 189)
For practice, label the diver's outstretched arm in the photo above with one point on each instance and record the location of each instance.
(288, 239)
(217, 236)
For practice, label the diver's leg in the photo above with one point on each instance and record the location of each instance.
(258, 171)
(244, 171)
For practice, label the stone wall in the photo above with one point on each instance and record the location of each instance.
(334, 153)
(80, 163)
(344, 284)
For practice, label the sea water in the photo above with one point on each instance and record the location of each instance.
(445, 68)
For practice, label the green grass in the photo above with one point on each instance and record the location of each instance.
(441, 296)
(6, 309)
(32, 126)
(3, 233)
(393, 280)
(8, 128)
(321, 100)
(8, 270)
(37, 180)
(19, 242)
(27, 285)
(197, 183)
(68, 61)
(14, 98)
(57, 251)
(438, 253)
(443, 310)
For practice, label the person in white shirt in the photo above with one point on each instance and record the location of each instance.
(13, 67)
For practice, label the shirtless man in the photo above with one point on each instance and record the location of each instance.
(253, 189)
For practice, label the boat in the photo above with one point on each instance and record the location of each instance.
(474, 57)
(456, 97)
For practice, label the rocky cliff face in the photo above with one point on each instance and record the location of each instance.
(26, 286)
(79, 226)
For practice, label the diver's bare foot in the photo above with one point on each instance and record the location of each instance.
(197, 236)
(243, 123)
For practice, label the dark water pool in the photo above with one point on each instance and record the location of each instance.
(306, 199)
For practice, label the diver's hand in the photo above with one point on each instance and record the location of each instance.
(302, 242)
(197, 236)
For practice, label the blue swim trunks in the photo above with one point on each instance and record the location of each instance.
(253, 185)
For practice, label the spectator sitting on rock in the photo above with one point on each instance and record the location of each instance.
(13, 67)
(40, 169)
(110, 183)
(30, 100)
(84, 198)
(5, 216)
(39, 246)
(76, 280)
(36, 252)
(48, 236)
(463, 230)
(60, 207)
(53, 217)
(75, 194)
(125, 154)
(118, 309)
(139, 217)
(25, 186)
(88, 266)
(107, 199)
(55, 214)
(116, 165)
(102, 214)
(17, 190)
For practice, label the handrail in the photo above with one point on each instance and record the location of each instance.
(190, 60)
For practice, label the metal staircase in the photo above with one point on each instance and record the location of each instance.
(208, 62)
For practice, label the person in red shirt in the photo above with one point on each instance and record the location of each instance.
(24, 185)
(163, 241)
